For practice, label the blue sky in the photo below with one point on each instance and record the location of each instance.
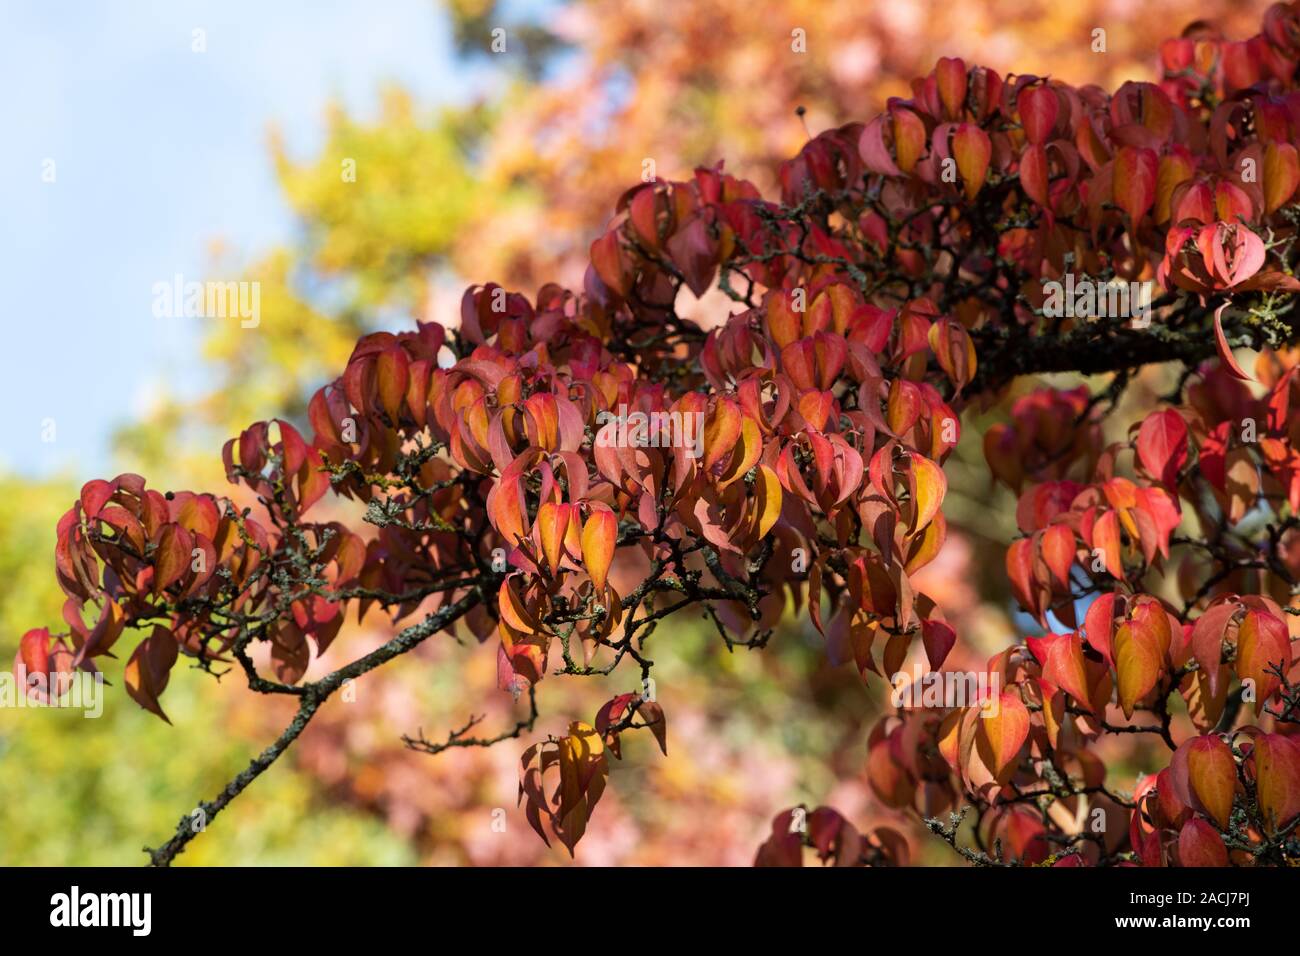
(158, 151)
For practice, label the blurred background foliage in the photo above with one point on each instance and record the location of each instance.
(512, 188)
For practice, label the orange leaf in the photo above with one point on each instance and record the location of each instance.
(928, 486)
(583, 769)
(172, 558)
(552, 522)
(783, 323)
(722, 431)
(768, 498)
(1212, 775)
(505, 508)
(1137, 665)
(746, 455)
(599, 535)
(1281, 175)
(1105, 538)
(972, 149)
(909, 138)
(903, 407)
(393, 375)
(1004, 733)
(950, 78)
(1262, 642)
(1174, 169)
(954, 350)
(925, 548)
(1057, 548)
(1277, 779)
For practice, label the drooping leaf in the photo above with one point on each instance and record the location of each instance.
(1277, 779)
(599, 537)
(1003, 733)
(1212, 775)
(1162, 445)
(1199, 844)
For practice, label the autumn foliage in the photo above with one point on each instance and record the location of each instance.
(895, 285)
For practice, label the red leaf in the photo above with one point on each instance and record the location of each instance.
(172, 558)
(1099, 624)
(1162, 445)
(1134, 181)
(610, 264)
(1020, 569)
(693, 251)
(938, 639)
(1225, 351)
(94, 495)
(1199, 844)
(1207, 639)
(1034, 174)
(1038, 107)
(950, 78)
(1057, 548)
(34, 651)
(1061, 656)
(148, 669)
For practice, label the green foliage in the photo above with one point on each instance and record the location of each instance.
(409, 190)
(78, 791)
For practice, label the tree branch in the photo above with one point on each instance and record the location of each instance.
(1093, 348)
(314, 695)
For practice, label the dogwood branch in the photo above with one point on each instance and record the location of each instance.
(313, 696)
